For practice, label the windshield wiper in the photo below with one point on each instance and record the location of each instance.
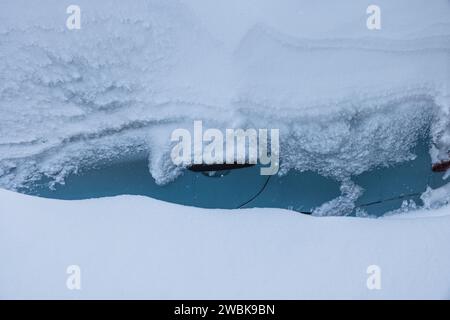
(218, 167)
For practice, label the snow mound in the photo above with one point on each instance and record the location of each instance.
(346, 100)
(134, 247)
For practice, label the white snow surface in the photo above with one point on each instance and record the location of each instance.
(135, 247)
(345, 99)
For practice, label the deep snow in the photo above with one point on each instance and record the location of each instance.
(137, 247)
(346, 99)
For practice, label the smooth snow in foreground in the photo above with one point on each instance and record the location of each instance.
(137, 247)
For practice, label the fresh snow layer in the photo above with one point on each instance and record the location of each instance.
(137, 247)
(346, 99)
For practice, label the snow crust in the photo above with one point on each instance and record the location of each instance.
(346, 99)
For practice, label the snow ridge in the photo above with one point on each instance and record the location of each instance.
(116, 90)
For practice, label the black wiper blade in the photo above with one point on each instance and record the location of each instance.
(218, 167)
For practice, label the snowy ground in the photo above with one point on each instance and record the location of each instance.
(346, 100)
(136, 247)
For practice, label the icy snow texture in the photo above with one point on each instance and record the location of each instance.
(345, 99)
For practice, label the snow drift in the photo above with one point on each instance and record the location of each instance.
(346, 99)
(132, 247)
